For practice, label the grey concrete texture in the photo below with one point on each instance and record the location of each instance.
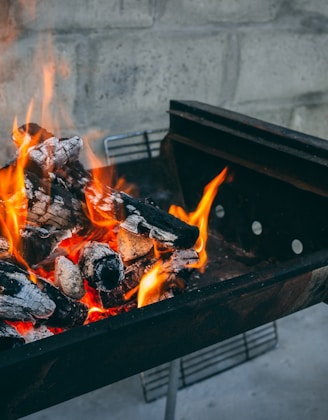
(118, 63)
(190, 12)
(145, 70)
(288, 382)
(84, 14)
(281, 65)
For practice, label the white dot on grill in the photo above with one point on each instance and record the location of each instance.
(257, 227)
(297, 246)
(219, 211)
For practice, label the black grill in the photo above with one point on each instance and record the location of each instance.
(257, 272)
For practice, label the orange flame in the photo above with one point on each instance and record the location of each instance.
(14, 201)
(151, 284)
(13, 198)
(99, 188)
(96, 310)
(150, 287)
(199, 217)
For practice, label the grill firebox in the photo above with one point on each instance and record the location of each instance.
(268, 256)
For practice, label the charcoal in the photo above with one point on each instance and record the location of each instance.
(132, 276)
(68, 312)
(53, 205)
(68, 278)
(20, 299)
(101, 266)
(132, 246)
(142, 218)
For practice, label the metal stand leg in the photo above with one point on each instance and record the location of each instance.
(172, 389)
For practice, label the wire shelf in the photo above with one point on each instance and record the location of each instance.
(211, 360)
(134, 145)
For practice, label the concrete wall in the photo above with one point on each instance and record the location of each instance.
(117, 63)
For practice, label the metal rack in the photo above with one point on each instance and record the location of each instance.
(134, 145)
(210, 361)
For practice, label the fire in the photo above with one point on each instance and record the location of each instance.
(199, 217)
(96, 311)
(102, 219)
(13, 200)
(150, 287)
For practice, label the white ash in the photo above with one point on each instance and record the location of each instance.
(56, 153)
(94, 252)
(27, 303)
(68, 278)
(132, 222)
(132, 246)
(37, 334)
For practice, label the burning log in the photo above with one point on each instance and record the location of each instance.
(53, 154)
(167, 278)
(38, 243)
(135, 216)
(142, 218)
(101, 266)
(52, 205)
(70, 183)
(132, 246)
(119, 295)
(173, 269)
(68, 312)
(178, 263)
(53, 214)
(35, 133)
(46, 152)
(20, 299)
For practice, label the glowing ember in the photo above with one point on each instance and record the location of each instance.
(22, 327)
(96, 311)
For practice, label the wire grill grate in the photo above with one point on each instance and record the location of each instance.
(133, 146)
(211, 361)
